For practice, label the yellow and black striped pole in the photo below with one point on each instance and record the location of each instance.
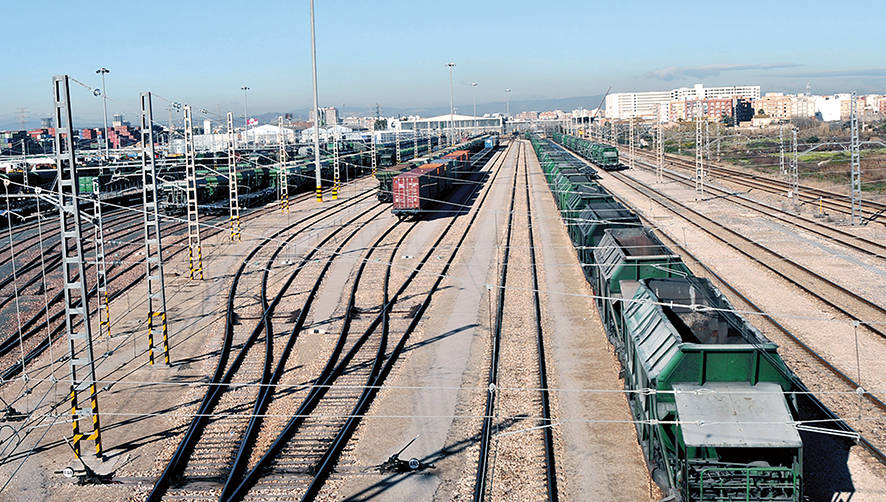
(191, 262)
(107, 320)
(151, 337)
(235, 228)
(75, 424)
(78, 436)
(165, 339)
(200, 260)
(198, 267)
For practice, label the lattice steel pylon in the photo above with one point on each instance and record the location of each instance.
(195, 250)
(233, 189)
(857, 218)
(101, 269)
(699, 155)
(414, 140)
(660, 148)
(74, 272)
(631, 140)
(373, 157)
(781, 150)
(282, 175)
(397, 144)
(795, 176)
(157, 323)
(430, 145)
(336, 175)
(707, 140)
(614, 134)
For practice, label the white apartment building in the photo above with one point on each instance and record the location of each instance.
(624, 105)
(803, 107)
(828, 108)
(699, 91)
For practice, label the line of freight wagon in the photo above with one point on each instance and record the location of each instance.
(385, 175)
(713, 401)
(414, 192)
(439, 171)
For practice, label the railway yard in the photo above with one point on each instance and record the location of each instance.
(505, 319)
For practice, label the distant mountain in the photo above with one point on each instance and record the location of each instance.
(538, 105)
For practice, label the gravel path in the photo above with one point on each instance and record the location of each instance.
(601, 461)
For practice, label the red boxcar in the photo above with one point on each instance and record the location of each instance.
(458, 162)
(415, 190)
(458, 155)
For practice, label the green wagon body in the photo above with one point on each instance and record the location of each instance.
(629, 254)
(708, 365)
(699, 375)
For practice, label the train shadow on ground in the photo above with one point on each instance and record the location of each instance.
(380, 487)
(825, 456)
(460, 200)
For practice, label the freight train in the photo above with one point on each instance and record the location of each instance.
(603, 156)
(385, 177)
(414, 191)
(257, 175)
(712, 400)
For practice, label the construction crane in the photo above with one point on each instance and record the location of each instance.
(602, 100)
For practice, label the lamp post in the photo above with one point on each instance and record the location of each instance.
(103, 71)
(319, 185)
(474, 86)
(245, 116)
(451, 66)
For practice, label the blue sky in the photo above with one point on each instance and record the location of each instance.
(395, 52)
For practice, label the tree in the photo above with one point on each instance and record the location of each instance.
(380, 124)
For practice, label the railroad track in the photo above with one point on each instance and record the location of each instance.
(517, 463)
(858, 309)
(838, 379)
(207, 450)
(807, 195)
(835, 234)
(33, 264)
(852, 305)
(299, 460)
(829, 378)
(34, 327)
(339, 385)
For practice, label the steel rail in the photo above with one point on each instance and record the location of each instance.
(809, 226)
(873, 399)
(34, 329)
(546, 422)
(52, 262)
(222, 376)
(332, 454)
(801, 387)
(330, 373)
(833, 200)
(480, 481)
(266, 392)
(684, 213)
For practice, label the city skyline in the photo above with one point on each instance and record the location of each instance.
(395, 53)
